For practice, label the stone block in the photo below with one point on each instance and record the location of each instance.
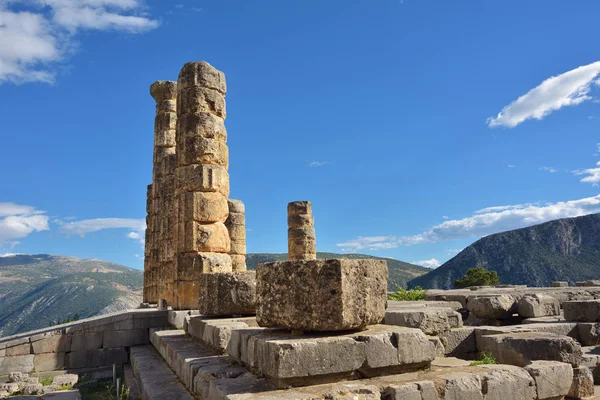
(522, 348)
(589, 333)
(216, 332)
(202, 74)
(321, 295)
(196, 100)
(582, 310)
(236, 206)
(203, 207)
(16, 364)
(459, 386)
(227, 293)
(18, 350)
(209, 238)
(49, 362)
(538, 305)
(492, 306)
(236, 219)
(552, 379)
(583, 383)
(66, 379)
(459, 342)
(432, 321)
(201, 150)
(57, 343)
(440, 351)
(238, 247)
(96, 358)
(300, 220)
(560, 284)
(190, 266)
(163, 90)
(187, 295)
(127, 338)
(204, 125)
(202, 178)
(297, 360)
(503, 382)
(166, 106)
(299, 207)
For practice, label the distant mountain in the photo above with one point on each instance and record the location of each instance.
(399, 272)
(38, 289)
(560, 250)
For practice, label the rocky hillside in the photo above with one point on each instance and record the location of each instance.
(399, 272)
(36, 290)
(565, 249)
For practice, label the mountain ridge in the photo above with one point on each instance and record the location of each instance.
(566, 249)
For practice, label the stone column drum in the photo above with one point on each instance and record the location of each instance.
(236, 225)
(163, 190)
(302, 243)
(202, 181)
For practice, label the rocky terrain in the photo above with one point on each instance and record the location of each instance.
(399, 272)
(560, 250)
(37, 290)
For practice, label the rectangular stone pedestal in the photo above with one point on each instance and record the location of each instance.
(300, 360)
(227, 293)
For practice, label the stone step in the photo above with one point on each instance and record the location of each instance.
(205, 373)
(155, 380)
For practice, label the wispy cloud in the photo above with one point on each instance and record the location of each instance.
(97, 224)
(431, 263)
(314, 164)
(511, 166)
(483, 222)
(548, 169)
(35, 35)
(568, 89)
(18, 221)
(590, 175)
(453, 252)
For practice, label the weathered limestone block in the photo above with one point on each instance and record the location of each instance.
(459, 342)
(560, 284)
(32, 389)
(302, 243)
(521, 348)
(205, 125)
(321, 295)
(202, 178)
(204, 207)
(422, 390)
(18, 350)
(589, 333)
(440, 351)
(503, 382)
(238, 262)
(227, 293)
(583, 383)
(552, 379)
(236, 225)
(66, 379)
(125, 338)
(96, 358)
(194, 236)
(492, 306)
(201, 150)
(292, 360)
(459, 386)
(16, 364)
(49, 362)
(202, 74)
(582, 310)
(164, 91)
(432, 321)
(54, 343)
(190, 266)
(538, 305)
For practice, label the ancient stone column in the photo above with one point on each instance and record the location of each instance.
(302, 243)
(202, 181)
(149, 263)
(236, 225)
(163, 224)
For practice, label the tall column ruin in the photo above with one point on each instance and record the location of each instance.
(302, 244)
(236, 225)
(160, 224)
(202, 180)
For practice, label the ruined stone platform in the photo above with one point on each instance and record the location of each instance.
(297, 360)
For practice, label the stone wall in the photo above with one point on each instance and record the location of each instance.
(94, 342)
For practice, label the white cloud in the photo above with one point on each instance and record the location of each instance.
(453, 252)
(548, 169)
(97, 224)
(445, 217)
(592, 175)
(138, 237)
(511, 166)
(483, 222)
(18, 221)
(8, 255)
(35, 35)
(568, 89)
(314, 164)
(431, 263)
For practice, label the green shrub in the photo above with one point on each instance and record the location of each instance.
(486, 358)
(477, 277)
(401, 294)
(46, 381)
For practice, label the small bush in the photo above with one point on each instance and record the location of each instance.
(477, 277)
(46, 381)
(401, 294)
(486, 358)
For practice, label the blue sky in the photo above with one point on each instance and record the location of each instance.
(415, 127)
